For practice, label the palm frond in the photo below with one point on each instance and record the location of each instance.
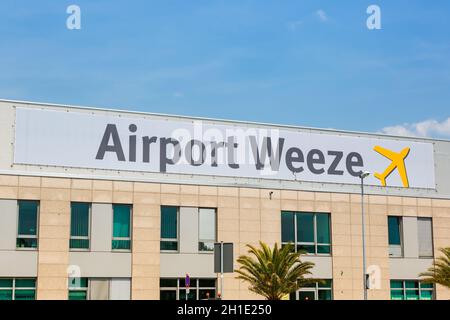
(273, 273)
(439, 272)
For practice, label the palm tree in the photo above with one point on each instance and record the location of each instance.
(273, 273)
(439, 273)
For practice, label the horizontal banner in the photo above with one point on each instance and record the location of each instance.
(226, 309)
(229, 309)
(95, 141)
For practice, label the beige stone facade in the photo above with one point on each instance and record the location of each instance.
(245, 216)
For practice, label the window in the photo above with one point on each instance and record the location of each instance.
(17, 289)
(321, 290)
(168, 289)
(207, 229)
(99, 288)
(395, 236)
(309, 232)
(174, 289)
(78, 288)
(6, 289)
(411, 290)
(425, 237)
(121, 227)
(169, 228)
(27, 236)
(305, 232)
(323, 233)
(206, 289)
(287, 227)
(79, 225)
(120, 289)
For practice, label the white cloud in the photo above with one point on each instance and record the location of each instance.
(293, 25)
(427, 128)
(296, 24)
(178, 94)
(322, 15)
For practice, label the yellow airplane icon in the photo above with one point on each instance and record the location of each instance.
(398, 161)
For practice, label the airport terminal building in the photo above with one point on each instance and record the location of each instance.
(100, 204)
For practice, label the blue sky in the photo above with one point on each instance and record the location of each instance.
(308, 63)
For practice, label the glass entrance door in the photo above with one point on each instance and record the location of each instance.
(307, 295)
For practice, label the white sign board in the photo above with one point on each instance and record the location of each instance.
(85, 140)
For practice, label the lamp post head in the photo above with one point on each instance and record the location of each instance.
(364, 174)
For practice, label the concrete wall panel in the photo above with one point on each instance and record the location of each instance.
(18, 263)
(101, 229)
(8, 224)
(102, 264)
(405, 269)
(196, 265)
(410, 241)
(188, 230)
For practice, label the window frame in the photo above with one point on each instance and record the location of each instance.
(315, 243)
(88, 237)
(131, 229)
(197, 287)
(14, 288)
(177, 239)
(18, 236)
(432, 289)
(9, 288)
(402, 249)
(316, 290)
(419, 288)
(79, 289)
(215, 232)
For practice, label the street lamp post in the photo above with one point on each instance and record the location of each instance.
(363, 175)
